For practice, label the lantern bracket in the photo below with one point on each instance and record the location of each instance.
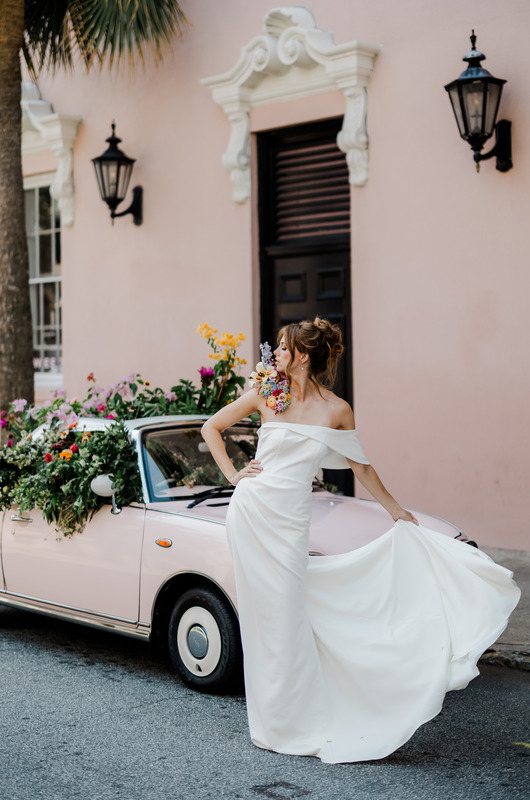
(136, 207)
(503, 147)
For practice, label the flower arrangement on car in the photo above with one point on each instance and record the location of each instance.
(53, 472)
(271, 384)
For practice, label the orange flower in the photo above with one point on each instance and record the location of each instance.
(66, 454)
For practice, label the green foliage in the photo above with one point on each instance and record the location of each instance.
(53, 472)
(57, 32)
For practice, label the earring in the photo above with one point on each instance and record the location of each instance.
(302, 369)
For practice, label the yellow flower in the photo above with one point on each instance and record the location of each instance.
(66, 454)
(205, 331)
(241, 360)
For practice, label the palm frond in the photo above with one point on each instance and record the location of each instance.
(95, 30)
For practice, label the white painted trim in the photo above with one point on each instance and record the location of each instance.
(294, 58)
(36, 181)
(44, 130)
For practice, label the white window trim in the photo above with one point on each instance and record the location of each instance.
(43, 131)
(44, 380)
(294, 58)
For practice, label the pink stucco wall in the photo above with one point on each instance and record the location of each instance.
(439, 254)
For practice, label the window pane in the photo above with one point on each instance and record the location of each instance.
(44, 246)
(50, 309)
(45, 219)
(32, 250)
(56, 215)
(29, 199)
(35, 311)
(58, 253)
(45, 253)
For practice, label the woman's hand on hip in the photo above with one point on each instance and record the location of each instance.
(252, 469)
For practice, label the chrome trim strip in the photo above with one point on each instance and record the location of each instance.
(81, 616)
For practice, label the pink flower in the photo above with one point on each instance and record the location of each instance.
(74, 448)
(9, 442)
(3, 423)
(170, 396)
(100, 408)
(109, 416)
(206, 374)
(18, 405)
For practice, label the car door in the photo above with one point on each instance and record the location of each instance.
(96, 571)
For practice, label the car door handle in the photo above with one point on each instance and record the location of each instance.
(16, 518)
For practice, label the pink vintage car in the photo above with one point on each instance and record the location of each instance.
(161, 569)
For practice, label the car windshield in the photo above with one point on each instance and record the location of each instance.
(178, 462)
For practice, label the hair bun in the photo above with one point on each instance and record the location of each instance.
(333, 335)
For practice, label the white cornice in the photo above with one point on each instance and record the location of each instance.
(293, 59)
(44, 130)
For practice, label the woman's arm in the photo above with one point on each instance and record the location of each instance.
(369, 478)
(247, 404)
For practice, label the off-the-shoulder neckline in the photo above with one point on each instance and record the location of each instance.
(304, 425)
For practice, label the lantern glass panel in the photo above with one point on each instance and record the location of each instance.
(454, 96)
(474, 98)
(123, 178)
(492, 106)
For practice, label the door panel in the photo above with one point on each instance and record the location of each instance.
(96, 571)
(304, 223)
(313, 285)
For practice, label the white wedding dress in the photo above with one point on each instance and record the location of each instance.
(347, 655)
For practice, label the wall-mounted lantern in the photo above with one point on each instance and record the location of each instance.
(475, 97)
(113, 171)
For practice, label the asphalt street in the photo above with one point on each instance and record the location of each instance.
(90, 715)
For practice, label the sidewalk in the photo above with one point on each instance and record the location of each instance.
(512, 649)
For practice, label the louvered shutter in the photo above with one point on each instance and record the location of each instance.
(311, 192)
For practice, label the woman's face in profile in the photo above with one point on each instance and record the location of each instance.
(282, 356)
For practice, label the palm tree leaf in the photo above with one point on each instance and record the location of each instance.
(57, 30)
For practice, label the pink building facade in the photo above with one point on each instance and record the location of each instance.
(433, 264)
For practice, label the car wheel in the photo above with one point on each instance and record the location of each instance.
(204, 641)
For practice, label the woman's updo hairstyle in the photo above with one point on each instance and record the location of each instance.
(322, 342)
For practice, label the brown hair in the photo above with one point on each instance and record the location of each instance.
(322, 342)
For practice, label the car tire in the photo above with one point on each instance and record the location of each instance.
(204, 641)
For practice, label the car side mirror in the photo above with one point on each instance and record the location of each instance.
(103, 486)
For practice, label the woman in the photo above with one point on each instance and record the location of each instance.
(346, 655)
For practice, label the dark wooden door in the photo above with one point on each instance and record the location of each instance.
(304, 221)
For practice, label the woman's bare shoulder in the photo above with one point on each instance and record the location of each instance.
(341, 412)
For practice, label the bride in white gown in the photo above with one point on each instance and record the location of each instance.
(347, 655)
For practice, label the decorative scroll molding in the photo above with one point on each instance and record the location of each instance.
(294, 59)
(44, 130)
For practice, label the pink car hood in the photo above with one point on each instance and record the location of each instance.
(339, 524)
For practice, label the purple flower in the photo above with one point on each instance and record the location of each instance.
(18, 405)
(3, 423)
(170, 397)
(206, 374)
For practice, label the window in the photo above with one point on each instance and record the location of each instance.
(44, 243)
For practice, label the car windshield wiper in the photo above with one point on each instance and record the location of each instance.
(219, 491)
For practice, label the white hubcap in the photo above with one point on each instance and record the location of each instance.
(198, 631)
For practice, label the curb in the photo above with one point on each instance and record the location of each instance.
(517, 659)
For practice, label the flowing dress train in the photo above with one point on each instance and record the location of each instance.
(347, 655)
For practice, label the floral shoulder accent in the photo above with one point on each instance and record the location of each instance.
(271, 384)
